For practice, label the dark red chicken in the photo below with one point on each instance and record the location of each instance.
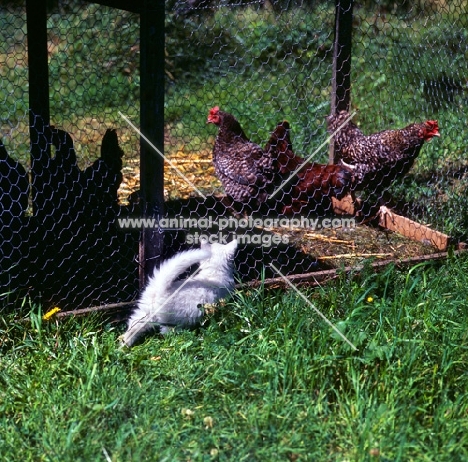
(314, 184)
(244, 168)
(378, 159)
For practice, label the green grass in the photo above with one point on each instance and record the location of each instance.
(265, 379)
(93, 74)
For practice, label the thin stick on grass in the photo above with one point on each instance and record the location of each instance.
(355, 255)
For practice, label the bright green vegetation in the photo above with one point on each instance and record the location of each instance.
(93, 74)
(265, 379)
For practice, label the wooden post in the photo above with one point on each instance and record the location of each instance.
(152, 126)
(39, 112)
(341, 78)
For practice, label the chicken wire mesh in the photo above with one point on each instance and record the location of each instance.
(63, 188)
(265, 63)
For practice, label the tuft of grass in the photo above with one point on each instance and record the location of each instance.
(264, 379)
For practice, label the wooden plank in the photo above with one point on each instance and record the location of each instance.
(38, 69)
(38, 64)
(152, 59)
(341, 78)
(110, 308)
(412, 229)
(321, 277)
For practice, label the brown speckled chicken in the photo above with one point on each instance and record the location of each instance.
(378, 159)
(244, 169)
(314, 184)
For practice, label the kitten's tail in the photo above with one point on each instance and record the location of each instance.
(160, 283)
(171, 269)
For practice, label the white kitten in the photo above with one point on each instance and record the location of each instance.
(167, 303)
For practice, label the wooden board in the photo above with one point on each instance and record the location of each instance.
(321, 277)
(412, 229)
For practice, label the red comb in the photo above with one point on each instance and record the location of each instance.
(214, 110)
(433, 125)
(432, 128)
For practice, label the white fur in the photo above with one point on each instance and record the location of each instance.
(167, 303)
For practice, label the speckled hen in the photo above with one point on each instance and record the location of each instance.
(244, 168)
(377, 160)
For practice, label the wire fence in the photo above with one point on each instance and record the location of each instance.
(285, 71)
(63, 187)
(388, 64)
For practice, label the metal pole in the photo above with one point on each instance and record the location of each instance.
(152, 126)
(341, 78)
(39, 112)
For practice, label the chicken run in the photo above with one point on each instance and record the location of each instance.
(250, 174)
(62, 243)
